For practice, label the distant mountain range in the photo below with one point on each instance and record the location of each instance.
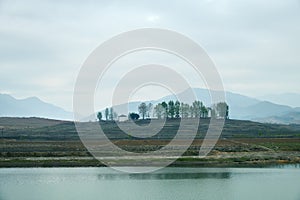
(241, 107)
(30, 107)
(290, 99)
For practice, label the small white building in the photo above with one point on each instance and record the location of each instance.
(122, 118)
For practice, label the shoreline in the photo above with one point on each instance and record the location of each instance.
(239, 152)
(236, 162)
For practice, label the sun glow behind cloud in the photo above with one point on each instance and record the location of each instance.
(153, 18)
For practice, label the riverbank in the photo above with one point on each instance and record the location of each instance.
(262, 159)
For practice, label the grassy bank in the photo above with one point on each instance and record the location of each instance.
(245, 152)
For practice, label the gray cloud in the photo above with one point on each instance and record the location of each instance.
(255, 44)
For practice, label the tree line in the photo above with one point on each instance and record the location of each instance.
(197, 109)
(109, 114)
(173, 109)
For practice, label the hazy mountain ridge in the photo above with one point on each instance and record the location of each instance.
(291, 99)
(241, 107)
(246, 108)
(30, 107)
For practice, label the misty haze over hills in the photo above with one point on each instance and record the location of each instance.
(291, 99)
(240, 107)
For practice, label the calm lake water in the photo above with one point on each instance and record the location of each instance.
(167, 184)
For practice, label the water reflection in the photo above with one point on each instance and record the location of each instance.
(165, 176)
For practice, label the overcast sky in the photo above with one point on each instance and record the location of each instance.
(255, 44)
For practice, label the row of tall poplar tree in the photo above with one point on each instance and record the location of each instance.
(172, 110)
(178, 109)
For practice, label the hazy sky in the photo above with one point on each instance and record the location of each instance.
(255, 44)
